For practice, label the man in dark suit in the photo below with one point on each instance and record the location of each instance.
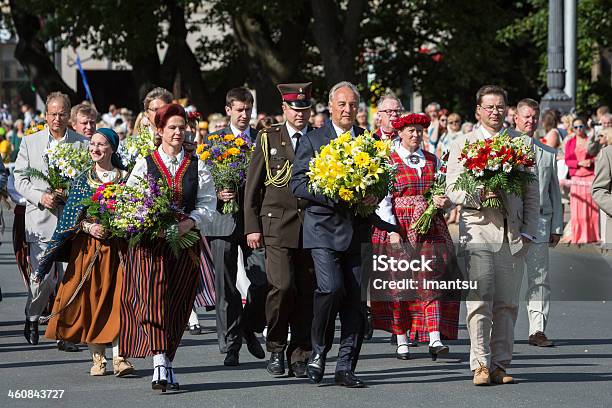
(273, 217)
(226, 235)
(335, 237)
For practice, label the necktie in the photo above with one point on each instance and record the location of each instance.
(297, 136)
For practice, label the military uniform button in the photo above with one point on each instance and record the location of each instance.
(299, 210)
(269, 214)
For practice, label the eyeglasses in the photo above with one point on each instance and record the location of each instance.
(60, 115)
(390, 112)
(579, 127)
(490, 109)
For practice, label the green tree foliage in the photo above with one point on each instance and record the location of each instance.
(444, 49)
(594, 37)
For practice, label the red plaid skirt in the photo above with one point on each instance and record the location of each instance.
(428, 313)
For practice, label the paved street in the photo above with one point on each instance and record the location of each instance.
(576, 373)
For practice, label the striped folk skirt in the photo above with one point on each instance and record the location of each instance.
(158, 295)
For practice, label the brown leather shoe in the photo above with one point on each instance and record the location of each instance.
(499, 376)
(539, 339)
(481, 375)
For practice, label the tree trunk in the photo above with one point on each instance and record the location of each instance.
(180, 58)
(337, 38)
(34, 57)
(269, 62)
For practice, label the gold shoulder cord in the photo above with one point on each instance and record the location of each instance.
(283, 175)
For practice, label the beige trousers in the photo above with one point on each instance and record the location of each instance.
(492, 309)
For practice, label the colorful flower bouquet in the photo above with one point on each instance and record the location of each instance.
(135, 147)
(423, 224)
(102, 204)
(147, 209)
(349, 169)
(227, 157)
(65, 162)
(496, 164)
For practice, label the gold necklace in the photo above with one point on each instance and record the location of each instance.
(94, 180)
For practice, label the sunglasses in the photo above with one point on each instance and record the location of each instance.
(579, 127)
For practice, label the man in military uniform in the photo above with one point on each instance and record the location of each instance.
(273, 217)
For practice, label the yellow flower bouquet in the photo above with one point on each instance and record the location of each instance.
(349, 169)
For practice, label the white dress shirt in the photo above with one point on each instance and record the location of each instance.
(339, 130)
(206, 199)
(236, 132)
(292, 133)
(53, 142)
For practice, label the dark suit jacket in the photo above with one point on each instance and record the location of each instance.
(225, 225)
(273, 211)
(327, 224)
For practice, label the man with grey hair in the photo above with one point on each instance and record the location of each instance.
(335, 237)
(43, 206)
(389, 108)
(83, 119)
(550, 226)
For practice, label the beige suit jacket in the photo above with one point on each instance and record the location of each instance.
(602, 184)
(39, 221)
(483, 228)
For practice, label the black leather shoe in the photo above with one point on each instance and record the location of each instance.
(159, 384)
(30, 332)
(253, 345)
(276, 364)
(231, 358)
(402, 356)
(195, 330)
(316, 368)
(369, 330)
(437, 350)
(348, 379)
(67, 346)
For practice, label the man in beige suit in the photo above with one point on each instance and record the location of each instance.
(550, 226)
(43, 206)
(496, 242)
(602, 184)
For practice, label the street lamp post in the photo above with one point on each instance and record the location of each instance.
(569, 27)
(555, 98)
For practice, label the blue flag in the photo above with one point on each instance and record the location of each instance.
(84, 79)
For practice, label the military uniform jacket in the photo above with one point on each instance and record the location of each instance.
(271, 210)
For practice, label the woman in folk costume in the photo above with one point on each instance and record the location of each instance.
(159, 288)
(87, 306)
(428, 312)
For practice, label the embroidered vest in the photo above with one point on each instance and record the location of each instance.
(184, 184)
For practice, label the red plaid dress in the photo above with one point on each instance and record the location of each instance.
(427, 313)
